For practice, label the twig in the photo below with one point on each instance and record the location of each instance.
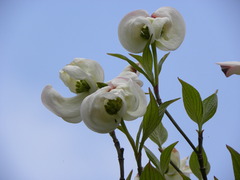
(159, 101)
(200, 155)
(120, 154)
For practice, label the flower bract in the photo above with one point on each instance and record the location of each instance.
(230, 67)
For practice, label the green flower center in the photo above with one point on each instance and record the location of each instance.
(145, 32)
(113, 106)
(82, 86)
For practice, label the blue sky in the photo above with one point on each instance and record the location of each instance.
(39, 37)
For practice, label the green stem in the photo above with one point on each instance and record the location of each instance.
(137, 154)
(129, 137)
(155, 62)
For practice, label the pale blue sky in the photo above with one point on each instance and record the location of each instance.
(39, 37)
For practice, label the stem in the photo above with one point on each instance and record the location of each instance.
(120, 154)
(138, 155)
(129, 137)
(155, 62)
(159, 101)
(139, 162)
(200, 155)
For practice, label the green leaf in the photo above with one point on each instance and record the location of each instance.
(138, 135)
(150, 119)
(209, 107)
(130, 175)
(153, 116)
(147, 61)
(159, 135)
(163, 107)
(133, 64)
(151, 173)
(137, 57)
(235, 161)
(194, 164)
(184, 177)
(152, 157)
(161, 62)
(101, 84)
(215, 178)
(166, 157)
(192, 102)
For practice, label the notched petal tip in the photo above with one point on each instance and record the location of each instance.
(230, 67)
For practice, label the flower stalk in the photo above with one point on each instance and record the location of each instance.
(137, 152)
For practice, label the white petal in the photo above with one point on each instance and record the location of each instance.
(77, 73)
(94, 114)
(134, 96)
(130, 72)
(136, 177)
(129, 30)
(82, 69)
(172, 32)
(69, 76)
(175, 158)
(91, 67)
(66, 108)
(230, 67)
(184, 168)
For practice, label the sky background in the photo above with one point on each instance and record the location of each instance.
(39, 37)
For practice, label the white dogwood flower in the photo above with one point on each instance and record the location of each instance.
(230, 67)
(121, 99)
(166, 26)
(169, 28)
(172, 174)
(80, 76)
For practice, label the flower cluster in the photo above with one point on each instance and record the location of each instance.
(100, 105)
(103, 106)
